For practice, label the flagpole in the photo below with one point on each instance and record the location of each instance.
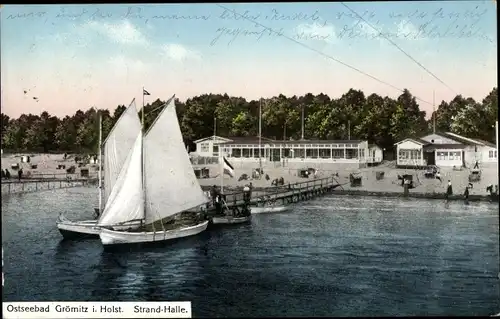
(433, 112)
(100, 163)
(260, 137)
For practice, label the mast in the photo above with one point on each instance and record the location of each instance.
(221, 158)
(260, 136)
(349, 130)
(100, 163)
(302, 138)
(433, 112)
(142, 155)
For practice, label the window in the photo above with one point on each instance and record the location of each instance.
(404, 155)
(442, 156)
(204, 147)
(338, 153)
(415, 155)
(492, 154)
(456, 156)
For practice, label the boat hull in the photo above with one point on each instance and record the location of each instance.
(79, 230)
(268, 209)
(86, 229)
(110, 238)
(225, 220)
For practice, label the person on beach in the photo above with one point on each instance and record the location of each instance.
(449, 190)
(3, 174)
(466, 193)
(476, 166)
(438, 176)
(7, 174)
(250, 189)
(20, 174)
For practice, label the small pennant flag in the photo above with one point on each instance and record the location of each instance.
(144, 92)
(228, 168)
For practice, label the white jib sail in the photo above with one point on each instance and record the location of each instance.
(170, 183)
(118, 144)
(126, 201)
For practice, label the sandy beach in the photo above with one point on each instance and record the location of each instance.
(47, 167)
(389, 183)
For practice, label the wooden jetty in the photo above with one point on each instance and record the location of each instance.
(29, 185)
(283, 194)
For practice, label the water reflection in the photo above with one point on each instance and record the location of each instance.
(335, 256)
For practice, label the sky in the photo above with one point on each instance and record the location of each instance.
(77, 56)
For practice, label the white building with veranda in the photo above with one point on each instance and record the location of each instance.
(246, 149)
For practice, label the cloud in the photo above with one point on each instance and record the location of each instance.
(179, 52)
(315, 31)
(122, 32)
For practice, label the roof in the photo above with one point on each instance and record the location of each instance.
(211, 137)
(322, 142)
(416, 140)
(265, 140)
(486, 143)
(459, 138)
(452, 136)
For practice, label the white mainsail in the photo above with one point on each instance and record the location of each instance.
(170, 183)
(118, 144)
(126, 201)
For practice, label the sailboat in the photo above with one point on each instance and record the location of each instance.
(157, 183)
(117, 145)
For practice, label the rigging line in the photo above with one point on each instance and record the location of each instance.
(398, 47)
(319, 52)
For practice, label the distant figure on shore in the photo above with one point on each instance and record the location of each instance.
(251, 189)
(466, 193)
(247, 193)
(476, 166)
(7, 174)
(3, 174)
(438, 176)
(449, 190)
(20, 174)
(64, 156)
(267, 177)
(281, 181)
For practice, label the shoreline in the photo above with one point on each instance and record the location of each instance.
(366, 193)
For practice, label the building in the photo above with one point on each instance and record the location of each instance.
(246, 149)
(375, 154)
(444, 150)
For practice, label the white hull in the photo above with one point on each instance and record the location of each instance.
(70, 229)
(268, 209)
(218, 220)
(113, 237)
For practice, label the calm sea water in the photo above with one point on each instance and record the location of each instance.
(334, 256)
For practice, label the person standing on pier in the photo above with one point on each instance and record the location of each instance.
(213, 193)
(449, 190)
(466, 193)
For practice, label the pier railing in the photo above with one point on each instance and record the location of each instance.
(235, 196)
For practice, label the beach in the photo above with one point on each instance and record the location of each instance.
(47, 166)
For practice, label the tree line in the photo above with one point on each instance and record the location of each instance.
(380, 120)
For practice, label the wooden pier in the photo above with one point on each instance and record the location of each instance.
(283, 194)
(30, 185)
